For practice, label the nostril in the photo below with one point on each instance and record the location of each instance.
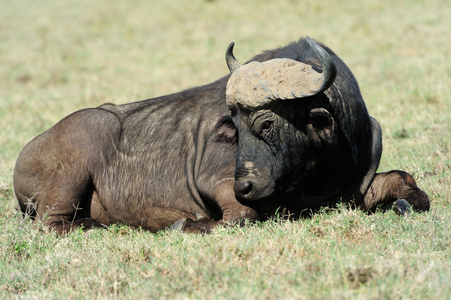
(242, 188)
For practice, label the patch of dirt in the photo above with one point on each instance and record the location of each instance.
(360, 276)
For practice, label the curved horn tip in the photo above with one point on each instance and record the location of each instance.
(314, 44)
(309, 39)
(329, 68)
(232, 63)
(230, 47)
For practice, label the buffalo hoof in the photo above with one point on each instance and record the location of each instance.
(402, 207)
(179, 225)
(201, 225)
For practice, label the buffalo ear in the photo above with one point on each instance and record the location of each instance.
(225, 130)
(321, 127)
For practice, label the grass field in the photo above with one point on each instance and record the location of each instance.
(60, 56)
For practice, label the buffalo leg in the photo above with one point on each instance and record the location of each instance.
(59, 195)
(53, 177)
(395, 187)
(233, 212)
(65, 205)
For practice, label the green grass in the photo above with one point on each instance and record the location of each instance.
(60, 56)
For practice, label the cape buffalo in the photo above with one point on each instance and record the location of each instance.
(288, 130)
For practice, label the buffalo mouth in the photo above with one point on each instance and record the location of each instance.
(267, 206)
(256, 204)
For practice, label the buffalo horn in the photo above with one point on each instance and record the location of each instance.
(329, 69)
(257, 84)
(232, 63)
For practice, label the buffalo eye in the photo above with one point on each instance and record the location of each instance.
(266, 127)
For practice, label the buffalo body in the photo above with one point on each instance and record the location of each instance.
(197, 160)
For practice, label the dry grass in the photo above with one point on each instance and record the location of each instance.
(58, 56)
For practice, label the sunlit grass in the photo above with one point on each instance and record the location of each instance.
(60, 56)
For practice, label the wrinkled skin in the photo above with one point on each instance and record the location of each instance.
(145, 164)
(182, 159)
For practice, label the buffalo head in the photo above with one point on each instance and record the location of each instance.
(283, 122)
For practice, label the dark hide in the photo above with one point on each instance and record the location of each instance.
(307, 153)
(151, 163)
(145, 164)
